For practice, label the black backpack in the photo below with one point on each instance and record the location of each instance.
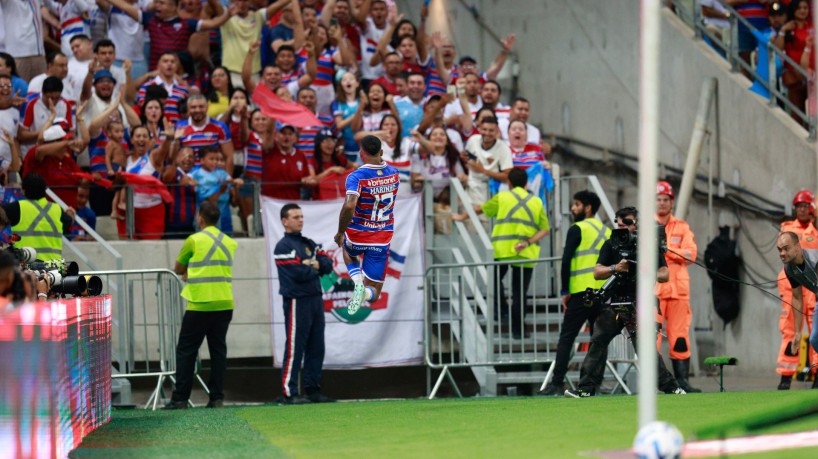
(722, 263)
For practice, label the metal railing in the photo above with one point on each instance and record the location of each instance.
(150, 315)
(695, 20)
(463, 329)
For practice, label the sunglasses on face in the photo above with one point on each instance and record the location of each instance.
(5, 85)
(628, 221)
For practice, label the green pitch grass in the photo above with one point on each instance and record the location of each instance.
(451, 428)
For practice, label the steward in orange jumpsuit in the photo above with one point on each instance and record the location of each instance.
(808, 237)
(674, 295)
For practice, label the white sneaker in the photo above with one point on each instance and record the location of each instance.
(357, 299)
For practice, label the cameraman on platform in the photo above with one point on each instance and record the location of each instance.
(620, 312)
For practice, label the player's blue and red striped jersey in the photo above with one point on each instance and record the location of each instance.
(213, 133)
(253, 152)
(529, 155)
(376, 187)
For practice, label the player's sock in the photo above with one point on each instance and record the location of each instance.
(354, 270)
(370, 294)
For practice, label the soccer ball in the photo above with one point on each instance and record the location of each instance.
(658, 440)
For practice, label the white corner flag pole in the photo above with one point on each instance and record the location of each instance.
(647, 260)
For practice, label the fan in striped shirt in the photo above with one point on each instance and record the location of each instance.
(306, 135)
(167, 79)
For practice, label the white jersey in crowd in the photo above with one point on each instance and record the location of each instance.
(77, 70)
(496, 159)
(35, 86)
(404, 163)
(74, 20)
(435, 169)
(454, 108)
(532, 133)
(9, 122)
(23, 27)
(369, 46)
(128, 35)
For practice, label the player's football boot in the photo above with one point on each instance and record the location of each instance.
(357, 299)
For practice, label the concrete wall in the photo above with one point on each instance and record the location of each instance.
(579, 67)
(250, 331)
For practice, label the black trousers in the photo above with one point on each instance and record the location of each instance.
(304, 325)
(607, 326)
(575, 316)
(196, 326)
(520, 280)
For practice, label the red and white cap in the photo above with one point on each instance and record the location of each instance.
(664, 187)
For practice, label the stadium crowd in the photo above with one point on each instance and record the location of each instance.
(187, 101)
(787, 25)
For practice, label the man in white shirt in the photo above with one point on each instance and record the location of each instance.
(452, 112)
(487, 158)
(42, 111)
(374, 28)
(128, 36)
(24, 36)
(78, 65)
(57, 67)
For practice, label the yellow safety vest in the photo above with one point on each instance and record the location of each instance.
(594, 234)
(518, 216)
(210, 269)
(40, 228)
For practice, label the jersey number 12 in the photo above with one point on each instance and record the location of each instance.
(386, 200)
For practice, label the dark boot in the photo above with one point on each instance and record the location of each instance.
(785, 383)
(681, 368)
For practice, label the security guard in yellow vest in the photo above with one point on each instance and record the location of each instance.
(206, 259)
(520, 223)
(39, 223)
(582, 244)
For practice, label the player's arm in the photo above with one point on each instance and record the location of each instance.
(798, 317)
(347, 211)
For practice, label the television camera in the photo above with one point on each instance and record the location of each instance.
(624, 243)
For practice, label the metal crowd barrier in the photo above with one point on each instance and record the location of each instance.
(147, 327)
(463, 328)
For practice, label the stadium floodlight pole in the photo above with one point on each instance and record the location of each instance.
(649, 20)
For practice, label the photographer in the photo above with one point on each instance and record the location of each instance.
(40, 223)
(17, 286)
(618, 258)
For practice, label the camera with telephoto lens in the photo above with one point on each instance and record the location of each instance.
(23, 254)
(624, 243)
(64, 279)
